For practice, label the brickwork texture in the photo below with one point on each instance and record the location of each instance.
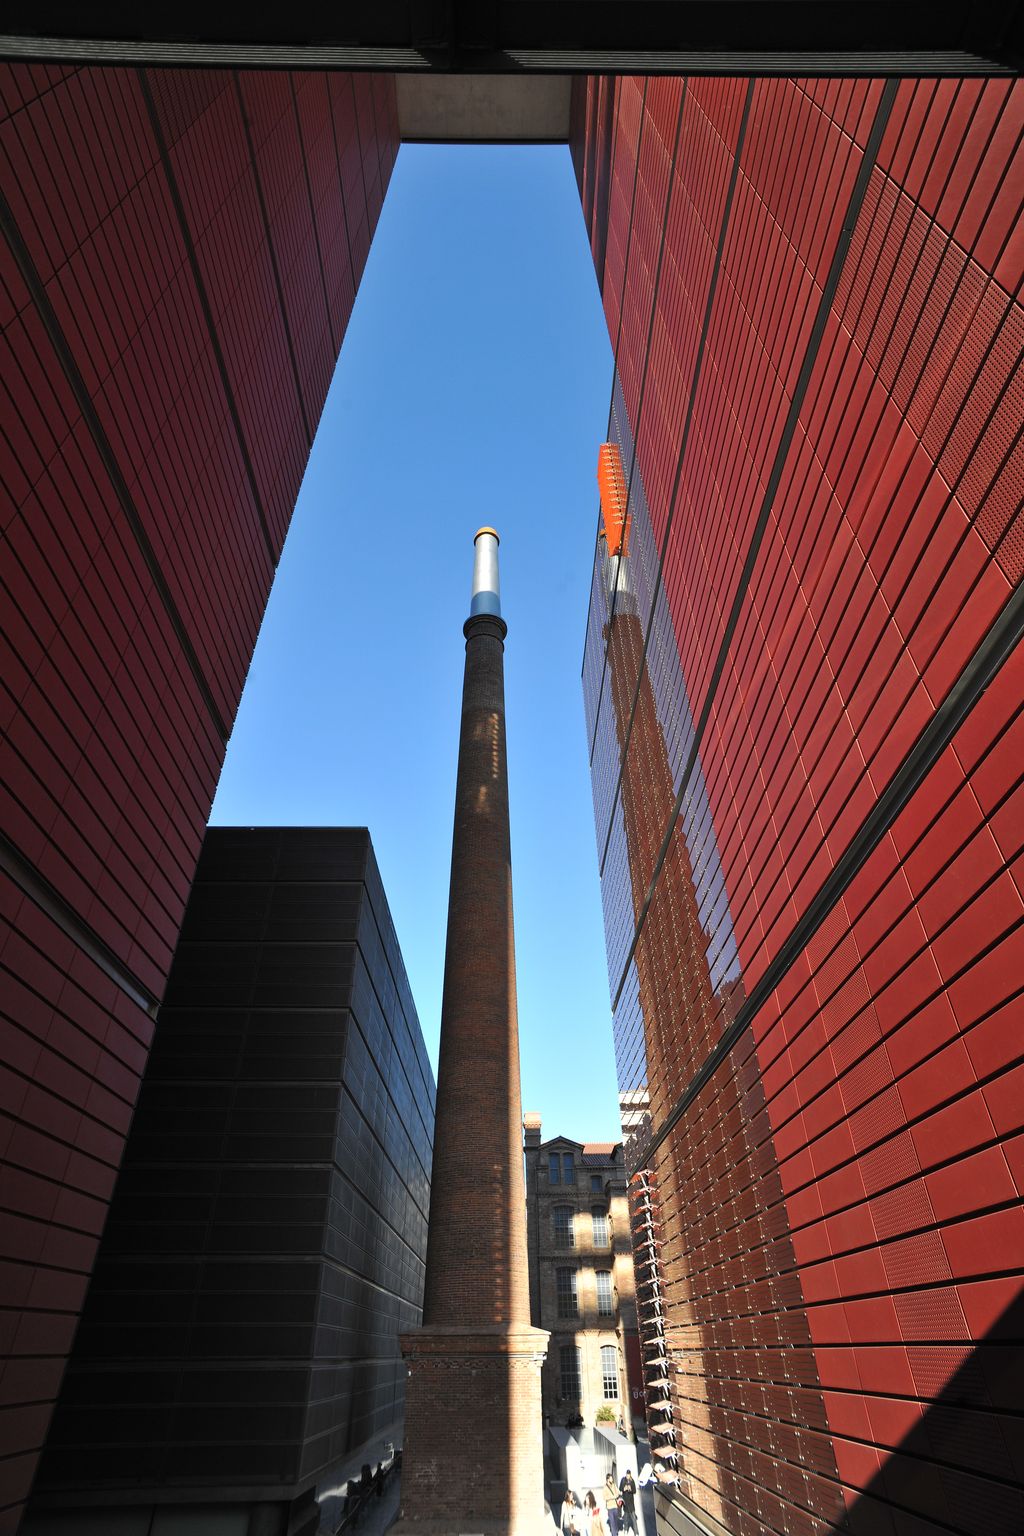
(473, 1442)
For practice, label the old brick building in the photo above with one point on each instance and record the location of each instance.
(581, 1275)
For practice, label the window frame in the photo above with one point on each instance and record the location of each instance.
(605, 1303)
(563, 1238)
(598, 1213)
(567, 1295)
(608, 1374)
(570, 1352)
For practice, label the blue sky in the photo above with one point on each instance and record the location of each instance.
(473, 387)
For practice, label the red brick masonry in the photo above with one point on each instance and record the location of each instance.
(473, 1457)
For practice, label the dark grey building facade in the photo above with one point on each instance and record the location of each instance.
(238, 1352)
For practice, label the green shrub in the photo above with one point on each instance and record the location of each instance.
(605, 1415)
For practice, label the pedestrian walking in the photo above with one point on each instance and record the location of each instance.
(595, 1519)
(569, 1521)
(627, 1493)
(612, 1502)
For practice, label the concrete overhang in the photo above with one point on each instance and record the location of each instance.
(484, 109)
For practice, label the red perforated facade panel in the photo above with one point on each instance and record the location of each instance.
(803, 691)
(181, 254)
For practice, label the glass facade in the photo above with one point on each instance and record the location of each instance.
(802, 705)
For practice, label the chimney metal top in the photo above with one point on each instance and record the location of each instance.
(486, 591)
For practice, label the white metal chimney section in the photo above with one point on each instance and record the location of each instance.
(486, 591)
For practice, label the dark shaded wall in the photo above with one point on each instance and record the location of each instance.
(266, 1240)
(812, 289)
(180, 256)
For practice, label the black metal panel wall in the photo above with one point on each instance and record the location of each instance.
(266, 1239)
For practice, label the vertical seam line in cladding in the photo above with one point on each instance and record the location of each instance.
(371, 976)
(684, 440)
(61, 347)
(385, 1153)
(312, 212)
(39, 890)
(273, 256)
(341, 183)
(204, 302)
(376, 138)
(1003, 635)
(618, 338)
(994, 477)
(643, 390)
(884, 245)
(800, 389)
(359, 146)
(629, 237)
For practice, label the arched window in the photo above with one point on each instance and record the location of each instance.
(605, 1295)
(609, 1371)
(599, 1216)
(565, 1286)
(561, 1220)
(569, 1371)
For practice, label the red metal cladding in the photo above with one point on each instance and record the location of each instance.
(182, 259)
(813, 292)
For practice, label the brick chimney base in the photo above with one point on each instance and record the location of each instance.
(473, 1458)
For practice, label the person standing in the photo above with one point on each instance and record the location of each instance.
(627, 1492)
(592, 1509)
(611, 1504)
(568, 1521)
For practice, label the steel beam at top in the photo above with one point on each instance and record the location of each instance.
(709, 37)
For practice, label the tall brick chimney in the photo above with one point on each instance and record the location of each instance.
(473, 1457)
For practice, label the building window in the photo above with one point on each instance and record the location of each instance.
(569, 1366)
(568, 1169)
(554, 1168)
(605, 1296)
(568, 1303)
(609, 1372)
(596, 1184)
(561, 1218)
(599, 1216)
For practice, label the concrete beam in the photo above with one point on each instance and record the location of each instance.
(484, 109)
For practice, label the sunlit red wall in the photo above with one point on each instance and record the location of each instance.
(813, 292)
(181, 254)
